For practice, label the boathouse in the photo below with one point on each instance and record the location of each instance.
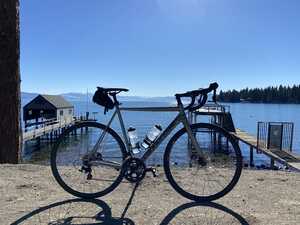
(47, 108)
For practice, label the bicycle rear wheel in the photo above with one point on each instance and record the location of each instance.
(84, 174)
(196, 180)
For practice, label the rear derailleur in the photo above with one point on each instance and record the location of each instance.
(87, 169)
(86, 165)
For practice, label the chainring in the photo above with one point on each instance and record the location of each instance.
(134, 170)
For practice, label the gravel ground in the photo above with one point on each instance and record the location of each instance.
(30, 195)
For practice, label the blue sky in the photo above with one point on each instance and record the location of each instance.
(158, 47)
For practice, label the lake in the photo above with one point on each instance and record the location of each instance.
(245, 116)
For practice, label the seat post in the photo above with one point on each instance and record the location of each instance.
(114, 95)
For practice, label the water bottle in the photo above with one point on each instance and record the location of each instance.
(133, 139)
(151, 136)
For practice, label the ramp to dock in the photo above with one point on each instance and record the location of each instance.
(284, 157)
(228, 122)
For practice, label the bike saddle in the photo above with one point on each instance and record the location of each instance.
(116, 90)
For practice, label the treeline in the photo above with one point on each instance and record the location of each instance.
(280, 94)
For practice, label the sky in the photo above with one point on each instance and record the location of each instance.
(158, 47)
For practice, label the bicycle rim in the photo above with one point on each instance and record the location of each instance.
(200, 181)
(74, 174)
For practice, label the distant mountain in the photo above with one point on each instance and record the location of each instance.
(72, 96)
(27, 97)
(83, 97)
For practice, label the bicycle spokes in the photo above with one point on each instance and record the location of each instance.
(81, 168)
(209, 175)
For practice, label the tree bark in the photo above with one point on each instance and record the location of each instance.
(9, 82)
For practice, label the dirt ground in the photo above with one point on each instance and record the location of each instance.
(30, 195)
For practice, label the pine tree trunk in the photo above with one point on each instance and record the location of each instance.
(9, 81)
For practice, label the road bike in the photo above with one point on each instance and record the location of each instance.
(202, 161)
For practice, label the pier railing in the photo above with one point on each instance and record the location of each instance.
(213, 108)
(45, 129)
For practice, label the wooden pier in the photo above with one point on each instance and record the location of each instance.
(53, 129)
(44, 130)
(286, 158)
(220, 115)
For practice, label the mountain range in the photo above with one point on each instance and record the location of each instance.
(73, 96)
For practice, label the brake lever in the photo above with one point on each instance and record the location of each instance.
(201, 102)
(192, 102)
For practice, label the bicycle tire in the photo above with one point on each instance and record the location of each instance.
(177, 185)
(69, 132)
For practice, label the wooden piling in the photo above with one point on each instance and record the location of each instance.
(38, 142)
(272, 163)
(251, 157)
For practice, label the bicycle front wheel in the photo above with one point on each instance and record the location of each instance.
(81, 168)
(204, 176)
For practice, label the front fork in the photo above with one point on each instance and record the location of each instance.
(192, 141)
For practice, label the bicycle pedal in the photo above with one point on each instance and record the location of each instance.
(152, 170)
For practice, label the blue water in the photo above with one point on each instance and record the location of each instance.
(245, 117)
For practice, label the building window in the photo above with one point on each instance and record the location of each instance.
(70, 111)
(61, 112)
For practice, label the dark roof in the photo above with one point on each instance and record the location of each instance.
(58, 101)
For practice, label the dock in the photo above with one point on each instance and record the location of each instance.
(276, 148)
(53, 129)
(44, 130)
(287, 158)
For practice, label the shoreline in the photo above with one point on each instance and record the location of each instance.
(260, 197)
(261, 103)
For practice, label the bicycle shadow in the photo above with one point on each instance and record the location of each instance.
(97, 212)
(74, 211)
(207, 213)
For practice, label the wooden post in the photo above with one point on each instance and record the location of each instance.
(272, 163)
(189, 144)
(227, 145)
(10, 130)
(214, 140)
(251, 157)
(220, 143)
(38, 142)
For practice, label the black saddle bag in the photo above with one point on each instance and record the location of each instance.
(102, 98)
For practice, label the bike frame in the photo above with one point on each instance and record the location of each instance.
(180, 118)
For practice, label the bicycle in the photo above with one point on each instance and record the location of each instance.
(202, 161)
